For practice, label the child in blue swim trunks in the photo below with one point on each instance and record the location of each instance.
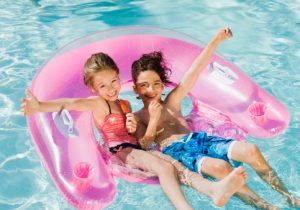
(210, 155)
(193, 148)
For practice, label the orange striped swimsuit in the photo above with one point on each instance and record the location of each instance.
(114, 132)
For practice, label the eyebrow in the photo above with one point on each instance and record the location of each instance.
(102, 83)
(139, 83)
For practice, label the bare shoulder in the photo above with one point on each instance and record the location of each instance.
(99, 108)
(95, 99)
(95, 102)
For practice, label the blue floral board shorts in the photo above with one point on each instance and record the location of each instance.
(194, 147)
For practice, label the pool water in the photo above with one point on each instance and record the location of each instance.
(266, 46)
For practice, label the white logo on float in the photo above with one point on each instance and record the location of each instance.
(222, 73)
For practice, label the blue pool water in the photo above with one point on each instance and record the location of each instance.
(266, 46)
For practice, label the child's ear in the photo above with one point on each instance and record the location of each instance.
(92, 89)
(134, 89)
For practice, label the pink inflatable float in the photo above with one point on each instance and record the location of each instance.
(225, 102)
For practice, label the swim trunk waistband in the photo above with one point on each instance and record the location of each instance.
(168, 142)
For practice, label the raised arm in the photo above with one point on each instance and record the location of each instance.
(146, 134)
(190, 77)
(32, 105)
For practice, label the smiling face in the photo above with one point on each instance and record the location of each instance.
(149, 86)
(106, 84)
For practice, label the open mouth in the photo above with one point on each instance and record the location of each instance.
(112, 95)
(150, 97)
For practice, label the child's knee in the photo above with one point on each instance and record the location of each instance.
(124, 155)
(223, 168)
(252, 149)
(253, 152)
(219, 169)
(256, 159)
(166, 167)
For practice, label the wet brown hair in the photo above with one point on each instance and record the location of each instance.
(96, 63)
(153, 61)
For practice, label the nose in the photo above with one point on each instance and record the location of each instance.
(150, 89)
(111, 88)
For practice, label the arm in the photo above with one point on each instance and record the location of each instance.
(190, 77)
(146, 134)
(32, 105)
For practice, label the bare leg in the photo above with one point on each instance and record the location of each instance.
(164, 170)
(220, 191)
(250, 154)
(219, 169)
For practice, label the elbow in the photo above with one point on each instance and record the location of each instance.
(145, 144)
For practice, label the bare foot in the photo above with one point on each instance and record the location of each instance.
(224, 189)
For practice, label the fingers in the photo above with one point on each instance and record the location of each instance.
(25, 101)
(154, 110)
(23, 106)
(154, 104)
(29, 93)
(130, 116)
(23, 111)
(224, 33)
(131, 127)
(131, 123)
(228, 32)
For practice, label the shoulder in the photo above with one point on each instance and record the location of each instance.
(95, 101)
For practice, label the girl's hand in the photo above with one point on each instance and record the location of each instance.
(131, 123)
(222, 35)
(154, 110)
(30, 105)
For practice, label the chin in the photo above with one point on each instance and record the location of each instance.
(114, 98)
(153, 99)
